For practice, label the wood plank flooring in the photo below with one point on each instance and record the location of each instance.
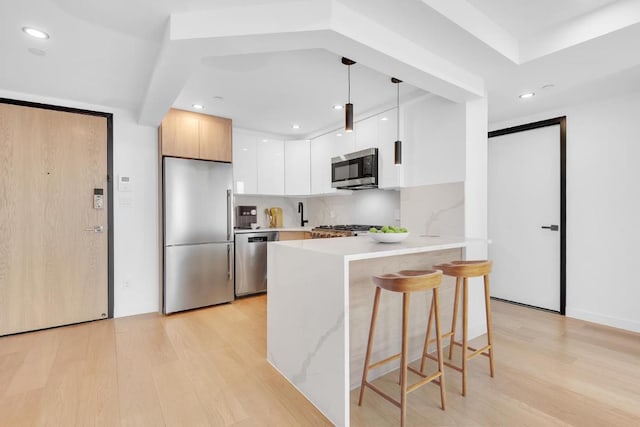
(207, 368)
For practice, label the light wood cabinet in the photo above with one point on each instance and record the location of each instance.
(196, 136)
(293, 235)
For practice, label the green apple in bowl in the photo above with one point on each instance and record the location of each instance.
(388, 234)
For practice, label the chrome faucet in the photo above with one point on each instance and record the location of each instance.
(301, 212)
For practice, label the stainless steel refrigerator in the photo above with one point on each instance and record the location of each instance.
(198, 234)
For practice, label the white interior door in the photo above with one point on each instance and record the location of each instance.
(524, 196)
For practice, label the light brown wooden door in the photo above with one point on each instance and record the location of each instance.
(53, 270)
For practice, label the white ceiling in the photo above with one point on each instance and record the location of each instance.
(525, 18)
(270, 92)
(114, 53)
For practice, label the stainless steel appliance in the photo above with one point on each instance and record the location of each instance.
(355, 171)
(251, 261)
(198, 233)
(245, 216)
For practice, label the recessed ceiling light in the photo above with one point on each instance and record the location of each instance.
(527, 95)
(198, 106)
(37, 52)
(245, 149)
(35, 33)
(338, 107)
(295, 126)
(265, 140)
(384, 119)
(338, 134)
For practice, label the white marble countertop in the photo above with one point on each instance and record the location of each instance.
(248, 230)
(363, 247)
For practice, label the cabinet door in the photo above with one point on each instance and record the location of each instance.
(366, 133)
(245, 155)
(297, 176)
(389, 174)
(321, 152)
(270, 166)
(180, 134)
(215, 138)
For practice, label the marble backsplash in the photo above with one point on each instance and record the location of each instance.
(372, 207)
(433, 209)
(429, 209)
(291, 217)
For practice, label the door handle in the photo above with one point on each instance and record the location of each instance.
(229, 208)
(95, 229)
(552, 227)
(229, 262)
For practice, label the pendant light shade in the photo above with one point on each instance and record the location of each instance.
(348, 108)
(397, 146)
(348, 117)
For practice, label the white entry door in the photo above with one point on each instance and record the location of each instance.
(523, 198)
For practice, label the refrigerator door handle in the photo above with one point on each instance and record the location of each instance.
(229, 267)
(229, 213)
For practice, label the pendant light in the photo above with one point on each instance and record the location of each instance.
(348, 108)
(398, 144)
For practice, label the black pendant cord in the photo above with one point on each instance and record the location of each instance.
(349, 84)
(398, 112)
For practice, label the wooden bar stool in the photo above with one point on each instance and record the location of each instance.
(406, 281)
(462, 271)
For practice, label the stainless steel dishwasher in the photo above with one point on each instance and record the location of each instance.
(251, 261)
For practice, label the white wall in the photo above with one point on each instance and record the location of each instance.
(603, 209)
(433, 141)
(136, 262)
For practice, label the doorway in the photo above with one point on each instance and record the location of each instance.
(527, 213)
(56, 216)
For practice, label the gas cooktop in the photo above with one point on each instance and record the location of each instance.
(347, 227)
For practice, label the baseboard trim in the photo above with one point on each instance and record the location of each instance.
(603, 319)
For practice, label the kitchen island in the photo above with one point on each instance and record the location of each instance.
(320, 297)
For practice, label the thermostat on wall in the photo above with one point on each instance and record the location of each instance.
(124, 183)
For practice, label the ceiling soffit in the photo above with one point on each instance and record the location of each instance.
(327, 24)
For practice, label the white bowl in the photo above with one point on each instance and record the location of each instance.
(388, 237)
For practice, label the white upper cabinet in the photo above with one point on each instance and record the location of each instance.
(245, 174)
(297, 163)
(366, 134)
(321, 153)
(270, 166)
(389, 174)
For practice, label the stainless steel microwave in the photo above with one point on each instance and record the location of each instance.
(355, 171)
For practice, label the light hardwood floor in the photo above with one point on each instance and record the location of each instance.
(208, 367)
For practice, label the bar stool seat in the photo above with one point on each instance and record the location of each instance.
(462, 271)
(405, 281)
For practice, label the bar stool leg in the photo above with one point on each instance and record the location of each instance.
(405, 351)
(454, 320)
(372, 330)
(436, 304)
(487, 306)
(425, 349)
(465, 333)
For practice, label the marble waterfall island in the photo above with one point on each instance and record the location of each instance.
(319, 301)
